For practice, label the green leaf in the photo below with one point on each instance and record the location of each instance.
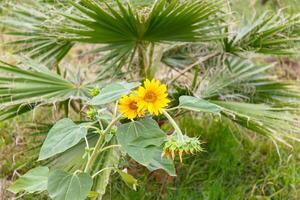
(198, 105)
(66, 186)
(62, 136)
(35, 180)
(128, 179)
(143, 140)
(113, 92)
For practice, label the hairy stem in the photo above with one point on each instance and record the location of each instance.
(174, 124)
(99, 143)
(99, 172)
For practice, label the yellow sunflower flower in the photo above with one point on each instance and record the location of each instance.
(153, 96)
(129, 108)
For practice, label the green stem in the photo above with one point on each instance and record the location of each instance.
(99, 144)
(174, 124)
(109, 147)
(88, 147)
(100, 171)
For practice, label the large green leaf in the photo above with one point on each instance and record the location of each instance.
(143, 140)
(62, 136)
(113, 92)
(35, 180)
(198, 105)
(66, 186)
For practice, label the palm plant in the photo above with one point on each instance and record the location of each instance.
(203, 58)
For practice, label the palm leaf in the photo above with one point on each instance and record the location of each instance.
(241, 79)
(28, 22)
(122, 28)
(15, 110)
(22, 87)
(165, 22)
(268, 34)
(280, 124)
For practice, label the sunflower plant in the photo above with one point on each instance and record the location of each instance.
(149, 63)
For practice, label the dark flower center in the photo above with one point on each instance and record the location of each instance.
(150, 97)
(133, 106)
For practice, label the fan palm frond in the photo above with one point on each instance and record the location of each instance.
(15, 110)
(27, 22)
(279, 124)
(268, 34)
(122, 29)
(241, 79)
(20, 88)
(173, 21)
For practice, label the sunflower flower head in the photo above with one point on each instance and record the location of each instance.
(129, 108)
(187, 145)
(152, 96)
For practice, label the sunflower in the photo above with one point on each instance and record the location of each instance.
(153, 96)
(129, 108)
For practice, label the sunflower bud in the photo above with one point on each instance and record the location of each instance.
(186, 145)
(95, 91)
(91, 113)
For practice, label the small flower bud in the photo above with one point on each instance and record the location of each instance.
(95, 91)
(91, 113)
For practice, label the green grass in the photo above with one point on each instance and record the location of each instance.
(18, 152)
(233, 167)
